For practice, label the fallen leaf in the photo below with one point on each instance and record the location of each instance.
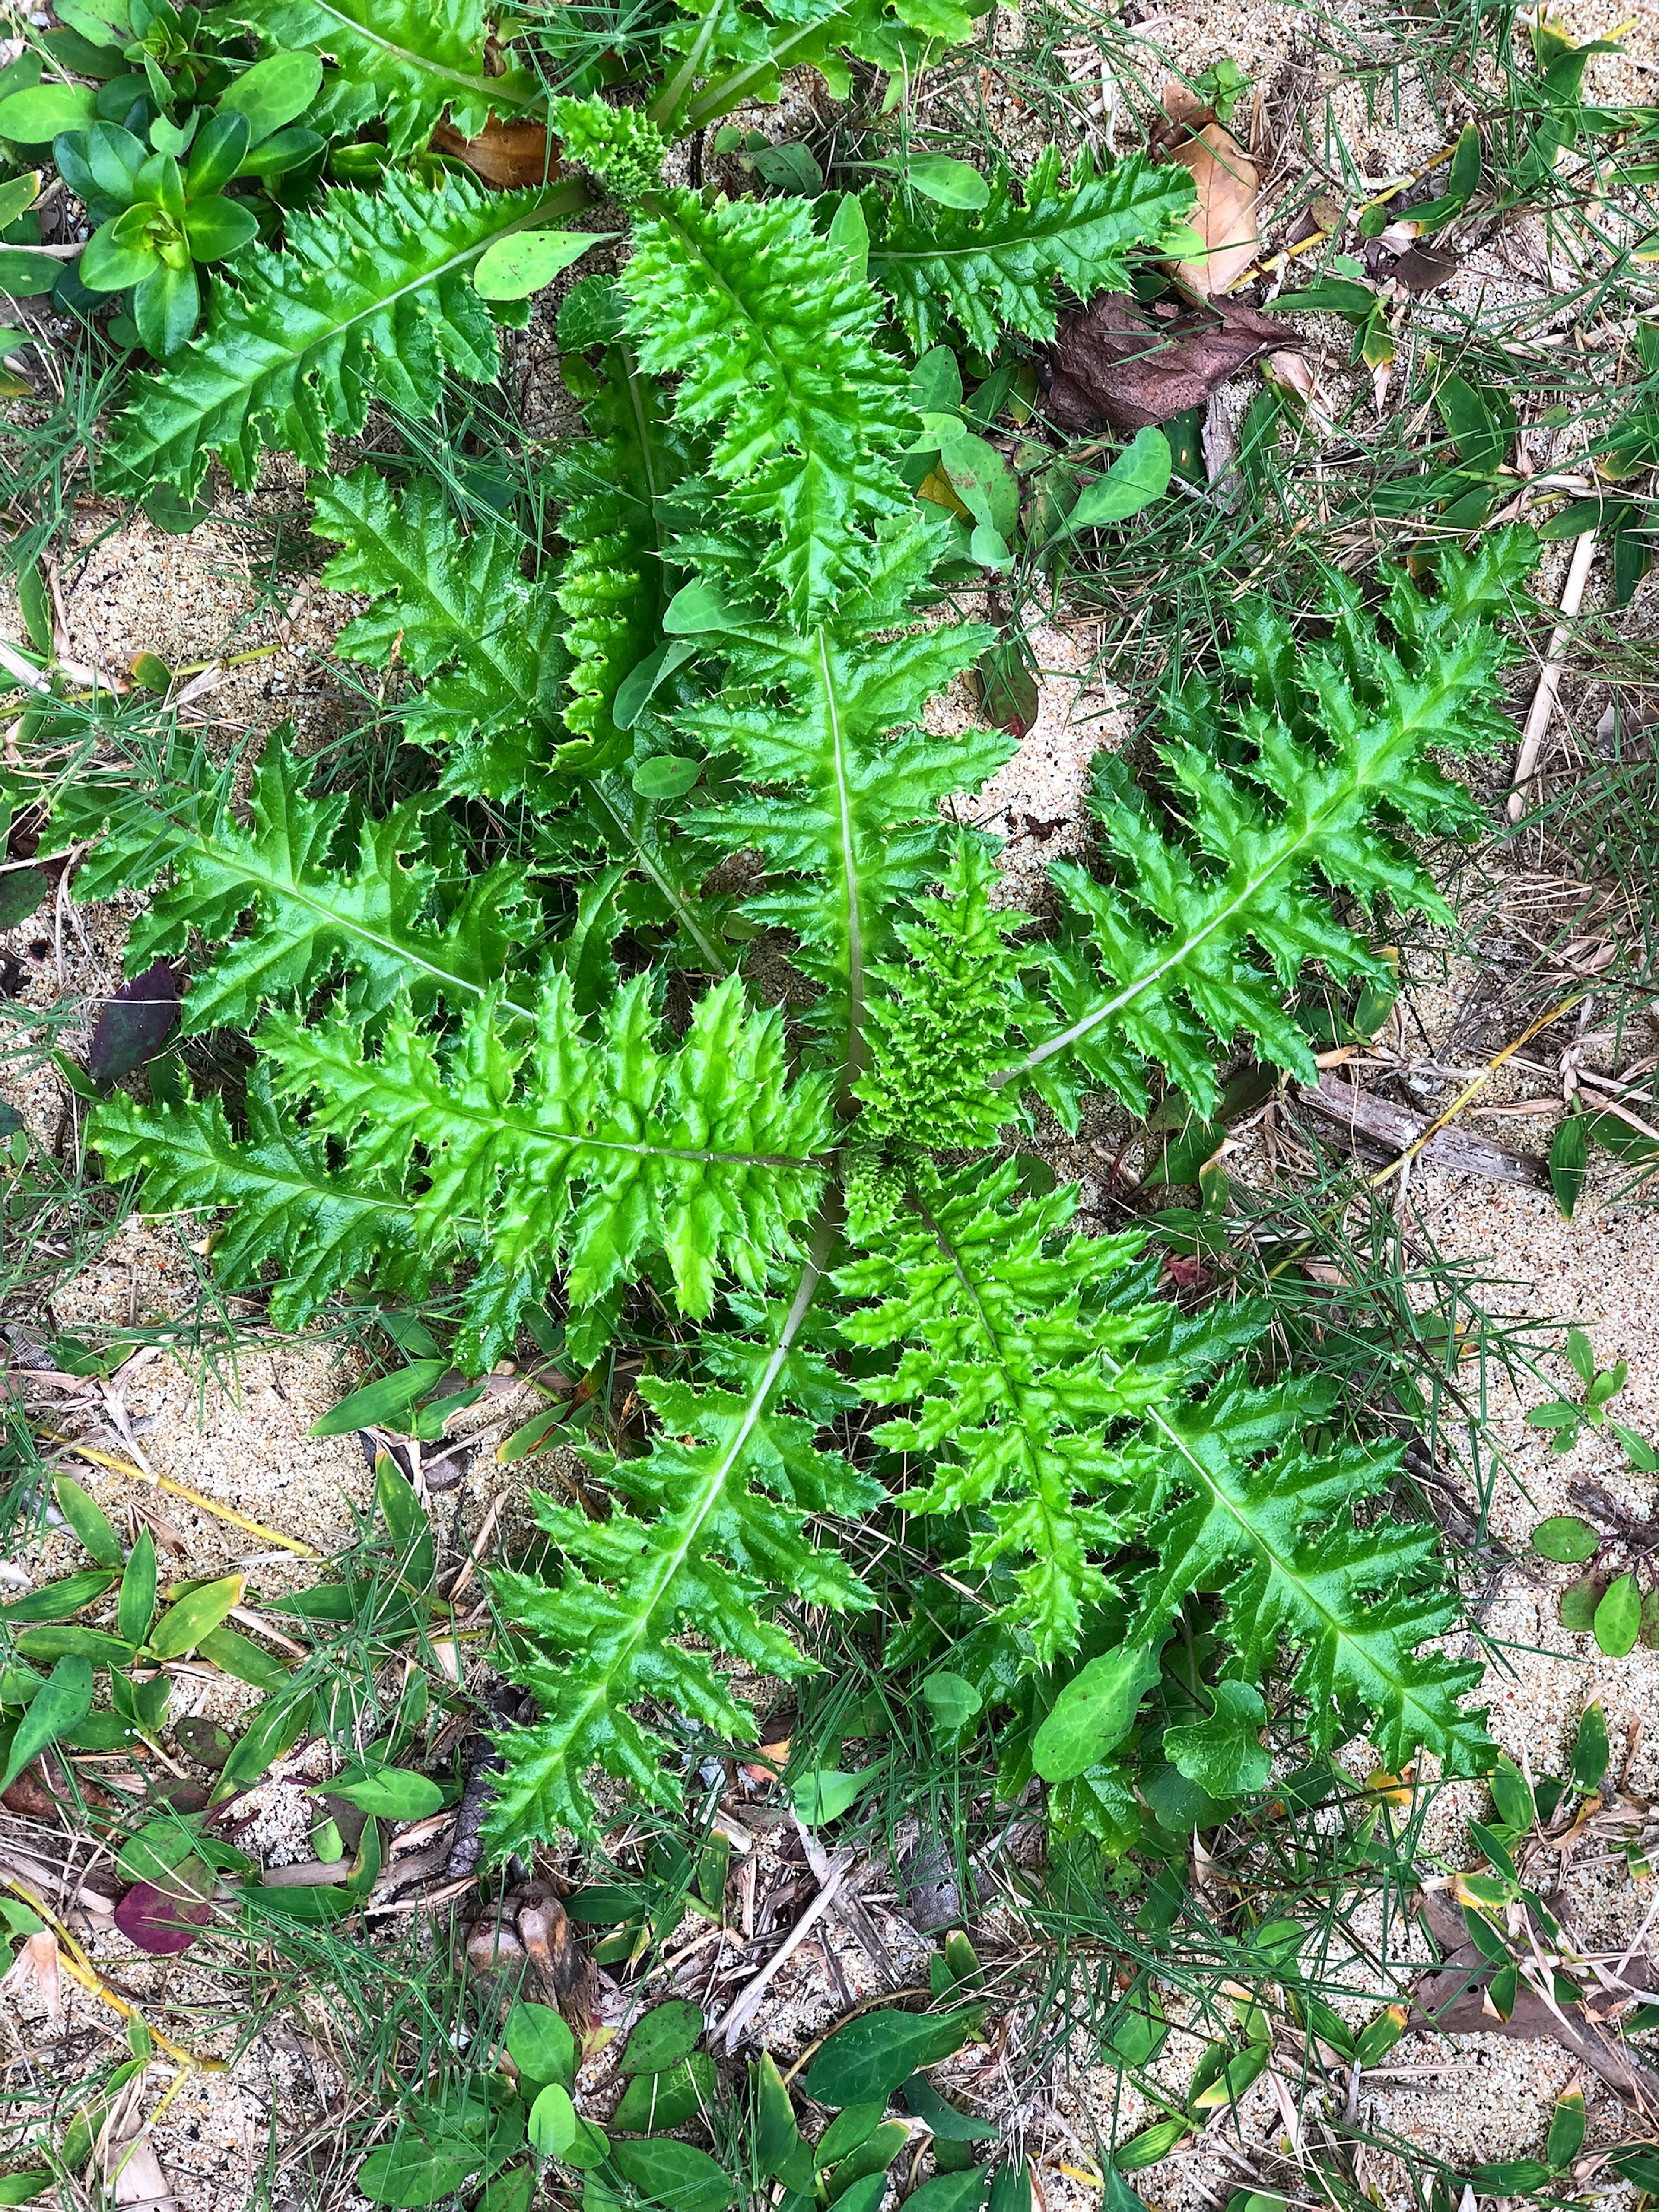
(1420, 268)
(1010, 697)
(37, 1962)
(769, 1762)
(1228, 184)
(161, 1923)
(22, 890)
(1118, 366)
(506, 155)
(29, 1798)
(126, 2158)
(134, 1025)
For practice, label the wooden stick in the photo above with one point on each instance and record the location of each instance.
(1549, 681)
(190, 1497)
(744, 2006)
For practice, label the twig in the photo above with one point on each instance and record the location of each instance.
(744, 2006)
(190, 1497)
(1549, 681)
(480, 1543)
(79, 1968)
(1480, 1083)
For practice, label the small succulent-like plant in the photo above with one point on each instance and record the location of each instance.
(156, 219)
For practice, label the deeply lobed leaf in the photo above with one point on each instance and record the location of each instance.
(272, 895)
(372, 298)
(1062, 1418)
(997, 267)
(843, 786)
(457, 612)
(319, 1227)
(998, 1313)
(704, 1530)
(603, 1154)
(405, 64)
(1200, 936)
(610, 584)
(771, 336)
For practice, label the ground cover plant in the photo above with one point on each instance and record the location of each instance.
(636, 1000)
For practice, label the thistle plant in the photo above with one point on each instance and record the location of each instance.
(561, 1090)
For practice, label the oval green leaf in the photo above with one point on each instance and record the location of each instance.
(666, 2032)
(1135, 478)
(411, 2172)
(73, 1642)
(88, 1522)
(34, 117)
(864, 2061)
(1566, 1539)
(655, 2103)
(540, 2045)
(675, 2173)
(59, 1600)
(273, 92)
(514, 267)
(25, 273)
(951, 184)
(183, 1626)
(666, 775)
(391, 1793)
(825, 1794)
(1093, 1713)
(1151, 2145)
(552, 2126)
(1619, 1617)
(65, 1699)
(383, 1404)
(950, 1698)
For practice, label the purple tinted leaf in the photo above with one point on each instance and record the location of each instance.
(134, 1025)
(161, 1922)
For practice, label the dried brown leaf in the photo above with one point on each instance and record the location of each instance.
(1228, 184)
(127, 2159)
(507, 157)
(37, 1962)
(1118, 367)
(1422, 268)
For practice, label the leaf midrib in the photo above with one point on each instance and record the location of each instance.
(1262, 1549)
(1248, 893)
(451, 1108)
(668, 1563)
(259, 878)
(490, 88)
(566, 198)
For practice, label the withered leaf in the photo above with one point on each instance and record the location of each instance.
(1228, 184)
(1420, 268)
(165, 1923)
(22, 890)
(134, 1025)
(1119, 367)
(507, 157)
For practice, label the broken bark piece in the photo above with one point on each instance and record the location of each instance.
(1450, 2000)
(564, 1969)
(1380, 1123)
(1118, 367)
